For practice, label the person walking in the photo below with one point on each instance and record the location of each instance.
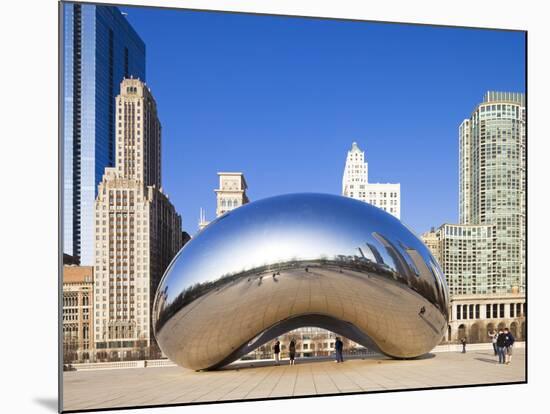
(339, 348)
(493, 335)
(501, 346)
(463, 342)
(508, 344)
(277, 350)
(292, 351)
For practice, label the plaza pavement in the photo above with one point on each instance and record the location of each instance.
(249, 380)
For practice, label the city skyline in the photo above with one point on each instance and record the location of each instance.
(215, 116)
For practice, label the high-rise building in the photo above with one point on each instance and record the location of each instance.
(492, 180)
(78, 306)
(100, 48)
(355, 184)
(465, 253)
(232, 192)
(137, 229)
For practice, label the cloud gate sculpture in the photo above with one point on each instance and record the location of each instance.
(297, 260)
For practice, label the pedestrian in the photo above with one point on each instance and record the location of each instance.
(339, 348)
(501, 346)
(508, 344)
(277, 350)
(493, 335)
(463, 342)
(292, 351)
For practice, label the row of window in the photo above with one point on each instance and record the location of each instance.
(493, 310)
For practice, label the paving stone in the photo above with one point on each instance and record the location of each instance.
(110, 388)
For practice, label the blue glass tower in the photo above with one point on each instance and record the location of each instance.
(100, 48)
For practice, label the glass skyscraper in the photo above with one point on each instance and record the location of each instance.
(485, 253)
(492, 181)
(100, 48)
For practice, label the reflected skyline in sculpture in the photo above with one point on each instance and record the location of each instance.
(299, 260)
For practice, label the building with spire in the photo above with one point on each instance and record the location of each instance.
(202, 219)
(355, 184)
(137, 230)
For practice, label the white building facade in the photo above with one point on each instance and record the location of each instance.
(232, 192)
(474, 317)
(355, 184)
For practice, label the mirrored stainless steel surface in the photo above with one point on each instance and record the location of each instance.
(300, 260)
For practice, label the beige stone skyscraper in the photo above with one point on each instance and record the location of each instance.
(232, 192)
(137, 229)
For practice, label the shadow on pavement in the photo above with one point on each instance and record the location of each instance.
(299, 361)
(425, 356)
(489, 361)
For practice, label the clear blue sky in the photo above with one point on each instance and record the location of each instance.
(282, 99)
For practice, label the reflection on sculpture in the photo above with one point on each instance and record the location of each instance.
(300, 260)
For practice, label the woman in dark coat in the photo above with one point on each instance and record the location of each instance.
(292, 351)
(277, 351)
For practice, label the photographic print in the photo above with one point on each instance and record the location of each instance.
(264, 206)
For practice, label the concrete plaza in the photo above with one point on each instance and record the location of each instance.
(250, 380)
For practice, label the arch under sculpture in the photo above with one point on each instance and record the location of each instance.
(297, 260)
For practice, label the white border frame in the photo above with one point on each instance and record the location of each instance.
(29, 34)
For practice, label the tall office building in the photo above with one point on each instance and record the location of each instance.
(137, 229)
(465, 253)
(492, 180)
(232, 192)
(355, 184)
(100, 48)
